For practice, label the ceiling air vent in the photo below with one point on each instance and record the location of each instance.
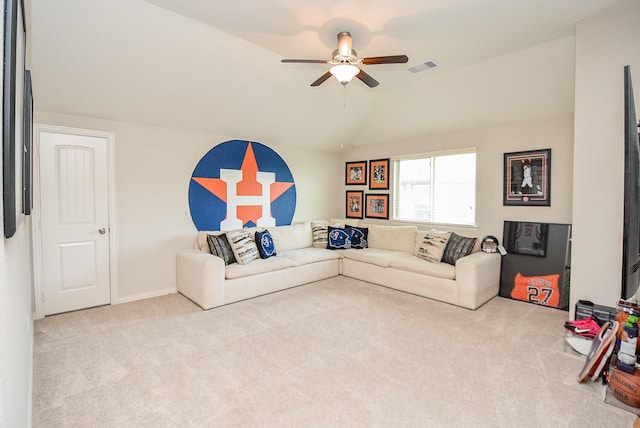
(422, 67)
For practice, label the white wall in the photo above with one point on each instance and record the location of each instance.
(16, 319)
(153, 169)
(604, 45)
(492, 142)
(16, 328)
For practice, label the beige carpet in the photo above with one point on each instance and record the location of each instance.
(336, 353)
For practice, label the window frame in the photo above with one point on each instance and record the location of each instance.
(433, 155)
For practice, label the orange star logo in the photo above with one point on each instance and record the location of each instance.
(248, 186)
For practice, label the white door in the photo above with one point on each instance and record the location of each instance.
(74, 221)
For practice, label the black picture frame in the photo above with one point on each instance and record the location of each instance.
(354, 204)
(377, 206)
(15, 40)
(379, 174)
(27, 160)
(527, 178)
(355, 173)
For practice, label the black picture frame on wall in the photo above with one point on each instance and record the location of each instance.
(527, 178)
(15, 40)
(354, 204)
(27, 160)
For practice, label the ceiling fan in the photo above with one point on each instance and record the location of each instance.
(344, 61)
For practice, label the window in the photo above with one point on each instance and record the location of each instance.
(435, 188)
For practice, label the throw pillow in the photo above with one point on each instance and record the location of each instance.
(358, 236)
(219, 246)
(243, 246)
(320, 231)
(457, 247)
(339, 239)
(432, 245)
(265, 244)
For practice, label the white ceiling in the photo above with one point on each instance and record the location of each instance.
(214, 66)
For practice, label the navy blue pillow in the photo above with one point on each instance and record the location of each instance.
(264, 242)
(358, 236)
(339, 239)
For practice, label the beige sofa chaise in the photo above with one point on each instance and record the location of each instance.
(390, 260)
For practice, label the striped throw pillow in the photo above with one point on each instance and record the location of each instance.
(244, 249)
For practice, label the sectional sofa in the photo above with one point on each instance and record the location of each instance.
(399, 257)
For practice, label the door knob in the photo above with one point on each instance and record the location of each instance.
(102, 231)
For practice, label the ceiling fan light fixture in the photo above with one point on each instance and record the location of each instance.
(344, 72)
(344, 43)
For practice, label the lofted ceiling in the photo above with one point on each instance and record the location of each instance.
(214, 67)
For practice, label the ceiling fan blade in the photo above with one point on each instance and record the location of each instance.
(322, 79)
(368, 80)
(391, 59)
(305, 61)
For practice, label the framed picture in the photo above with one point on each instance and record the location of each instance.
(27, 160)
(376, 206)
(379, 174)
(354, 204)
(356, 172)
(15, 41)
(527, 178)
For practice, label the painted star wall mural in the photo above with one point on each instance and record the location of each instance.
(241, 184)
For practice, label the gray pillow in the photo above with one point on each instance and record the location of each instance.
(457, 247)
(219, 246)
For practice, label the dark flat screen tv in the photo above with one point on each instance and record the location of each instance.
(631, 231)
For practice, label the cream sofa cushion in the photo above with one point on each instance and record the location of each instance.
(257, 267)
(375, 256)
(417, 265)
(393, 238)
(201, 239)
(292, 237)
(303, 256)
(342, 222)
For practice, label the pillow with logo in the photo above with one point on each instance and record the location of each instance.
(358, 236)
(264, 242)
(244, 249)
(339, 239)
(219, 246)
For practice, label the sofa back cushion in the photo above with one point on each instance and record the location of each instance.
(292, 237)
(393, 238)
(201, 239)
(342, 222)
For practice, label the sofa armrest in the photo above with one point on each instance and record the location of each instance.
(200, 277)
(477, 278)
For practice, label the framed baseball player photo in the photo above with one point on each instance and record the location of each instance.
(527, 178)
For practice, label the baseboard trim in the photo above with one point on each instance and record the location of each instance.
(141, 296)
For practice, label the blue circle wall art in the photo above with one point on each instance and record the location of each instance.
(241, 184)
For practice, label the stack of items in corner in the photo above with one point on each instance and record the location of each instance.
(582, 331)
(624, 379)
(602, 345)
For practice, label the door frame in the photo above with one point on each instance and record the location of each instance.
(38, 284)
